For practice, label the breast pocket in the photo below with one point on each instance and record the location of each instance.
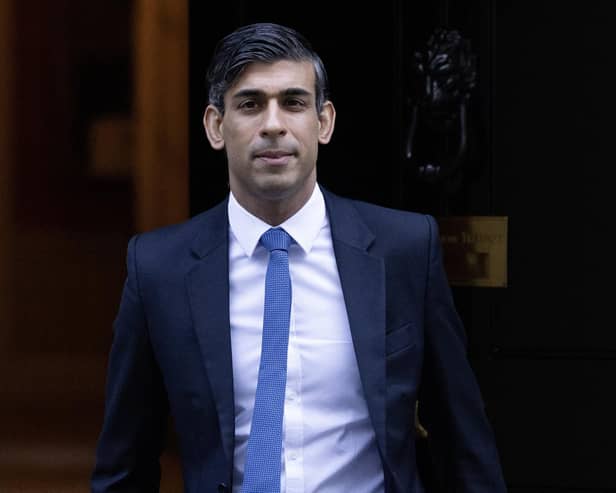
(399, 339)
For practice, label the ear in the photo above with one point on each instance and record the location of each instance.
(327, 120)
(212, 122)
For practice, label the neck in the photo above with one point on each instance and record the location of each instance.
(275, 211)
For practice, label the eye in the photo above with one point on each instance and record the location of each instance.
(295, 103)
(248, 105)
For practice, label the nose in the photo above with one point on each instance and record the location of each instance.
(273, 121)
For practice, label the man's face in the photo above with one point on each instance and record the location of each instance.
(271, 132)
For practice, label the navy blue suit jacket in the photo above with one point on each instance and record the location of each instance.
(172, 352)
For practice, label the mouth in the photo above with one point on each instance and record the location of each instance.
(274, 156)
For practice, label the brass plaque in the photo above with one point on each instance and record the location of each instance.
(475, 250)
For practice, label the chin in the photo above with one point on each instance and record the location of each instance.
(277, 193)
(281, 189)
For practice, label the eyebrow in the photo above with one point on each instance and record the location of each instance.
(291, 91)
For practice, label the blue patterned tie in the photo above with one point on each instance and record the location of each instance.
(263, 454)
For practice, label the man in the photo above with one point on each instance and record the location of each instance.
(364, 323)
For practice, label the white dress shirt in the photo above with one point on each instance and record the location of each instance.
(329, 445)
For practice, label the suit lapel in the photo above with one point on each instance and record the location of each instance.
(208, 287)
(362, 276)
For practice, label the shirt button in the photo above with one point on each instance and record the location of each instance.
(293, 456)
(291, 396)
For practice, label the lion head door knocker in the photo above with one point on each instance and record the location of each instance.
(444, 74)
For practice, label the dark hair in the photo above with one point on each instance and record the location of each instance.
(262, 42)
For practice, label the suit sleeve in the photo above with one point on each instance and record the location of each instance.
(460, 439)
(136, 408)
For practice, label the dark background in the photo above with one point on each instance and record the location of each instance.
(541, 119)
(542, 348)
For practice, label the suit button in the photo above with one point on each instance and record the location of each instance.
(223, 488)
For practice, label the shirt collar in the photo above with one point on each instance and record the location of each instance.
(303, 226)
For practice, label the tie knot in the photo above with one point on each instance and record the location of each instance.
(276, 239)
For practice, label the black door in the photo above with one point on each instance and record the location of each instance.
(543, 347)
